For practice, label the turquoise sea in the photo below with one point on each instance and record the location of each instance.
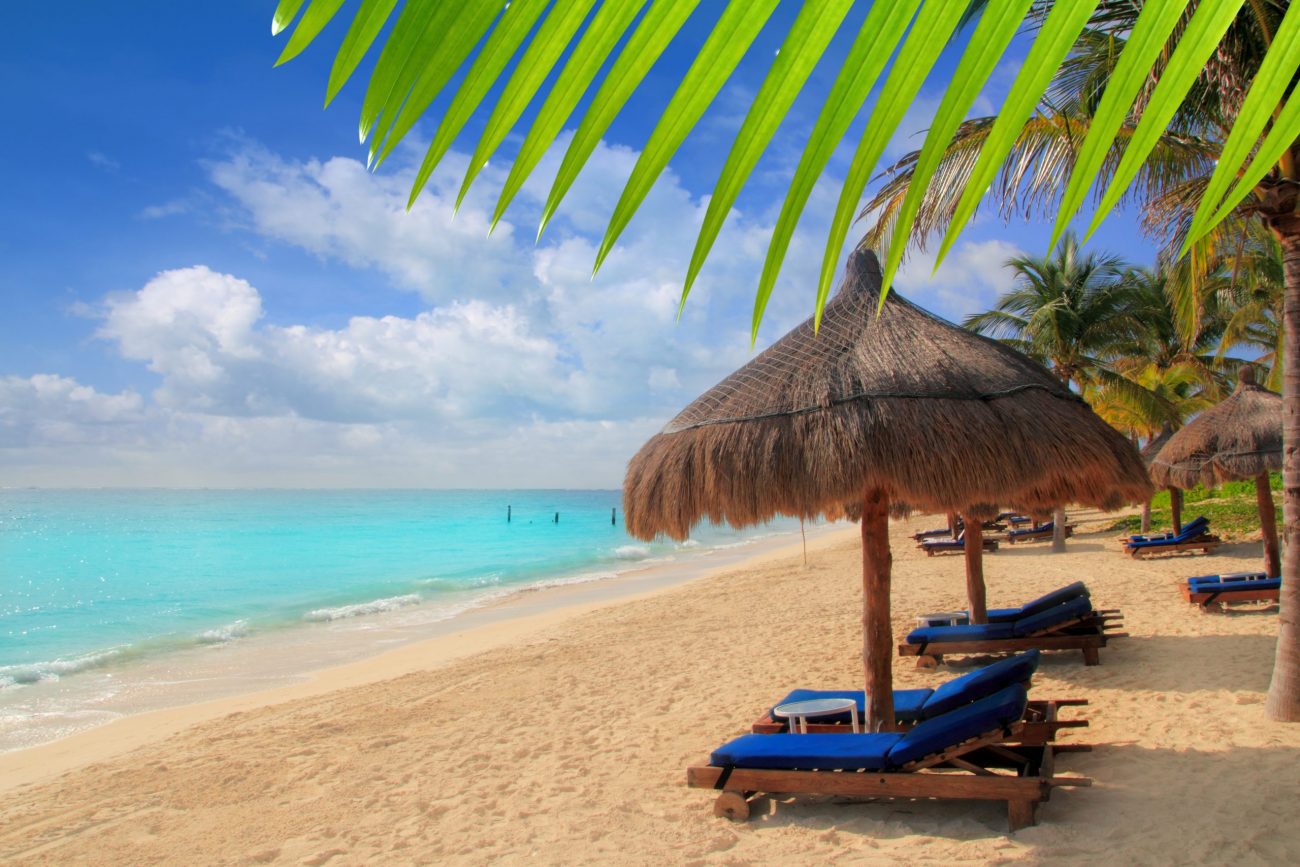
(93, 582)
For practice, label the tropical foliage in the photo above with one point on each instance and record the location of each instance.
(1175, 54)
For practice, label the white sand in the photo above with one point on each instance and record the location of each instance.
(562, 737)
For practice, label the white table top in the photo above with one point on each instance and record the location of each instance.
(815, 707)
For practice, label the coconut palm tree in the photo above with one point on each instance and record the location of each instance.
(1177, 59)
(1068, 309)
(1041, 175)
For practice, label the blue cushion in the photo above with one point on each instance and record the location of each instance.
(1190, 532)
(1196, 526)
(1002, 615)
(1026, 531)
(907, 702)
(981, 682)
(1230, 586)
(1075, 608)
(1053, 599)
(997, 711)
(825, 752)
(968, 632)
(1231, 576)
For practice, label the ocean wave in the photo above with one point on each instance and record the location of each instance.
(632, 552)
(222, 634)
(489, 579)
(375, 606)
(688, 543)
(25, 674)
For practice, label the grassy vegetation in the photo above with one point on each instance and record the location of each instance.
(1230, 508)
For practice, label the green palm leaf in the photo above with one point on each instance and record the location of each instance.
(648, 42)
(285, 11)
(606, 29)
(808, 37)
(1064, 23)
(1129, 76)
(884, 26)
(516, 21)
(731, 37)
(370, 19)
(554, 35)
(934, 23)
(1275, 77)
(993, 33)
(313, 21)
(1209, 22)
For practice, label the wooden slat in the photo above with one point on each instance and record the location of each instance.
(868, 785)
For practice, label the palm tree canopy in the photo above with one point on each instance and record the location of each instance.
(1176, 53)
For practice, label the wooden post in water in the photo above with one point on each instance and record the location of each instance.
(557, 517)
(1268, 524)
(613, 515)
(507, 514)
(877, 631)
(975, 570)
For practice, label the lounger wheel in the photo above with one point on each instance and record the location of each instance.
(731, 805)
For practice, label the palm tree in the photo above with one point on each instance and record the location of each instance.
(1227, 265)
(1180, 61)
(1068, 309)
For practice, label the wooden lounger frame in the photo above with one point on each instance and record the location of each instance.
(985, 768)
(1088, 634)
(1037, 535)
(1040, 724)
(1205, 544)
(1215, 600)
(931, 550)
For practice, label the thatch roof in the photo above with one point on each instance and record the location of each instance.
(935, 415)
(1238, 438)
(1153, 447)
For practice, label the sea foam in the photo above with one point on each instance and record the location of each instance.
(28, 673)
(375, 606)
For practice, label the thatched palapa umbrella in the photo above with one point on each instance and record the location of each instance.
(1238, 438)
(901, 407)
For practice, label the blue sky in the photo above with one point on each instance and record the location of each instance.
(203, 285)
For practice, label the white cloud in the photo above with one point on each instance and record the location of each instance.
(970, 279)
(519, 370)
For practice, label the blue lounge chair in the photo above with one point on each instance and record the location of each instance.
(1195, 536)
(950, 545)
(1035, 534)
(1072, 624)
(1211, 592)
(972, 738)
(1005, 615)
(912, 706)
(1195, 526)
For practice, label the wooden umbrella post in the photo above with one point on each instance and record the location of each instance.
(953, 521)
(877, 631)
(1176, 508)
(975, 571)
(1268, 524)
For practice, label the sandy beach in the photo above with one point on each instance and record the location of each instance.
(561, 736)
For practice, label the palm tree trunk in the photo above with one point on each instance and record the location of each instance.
(1146, 517)
(1176, 509)
(1267, 525)
(1284, 692)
